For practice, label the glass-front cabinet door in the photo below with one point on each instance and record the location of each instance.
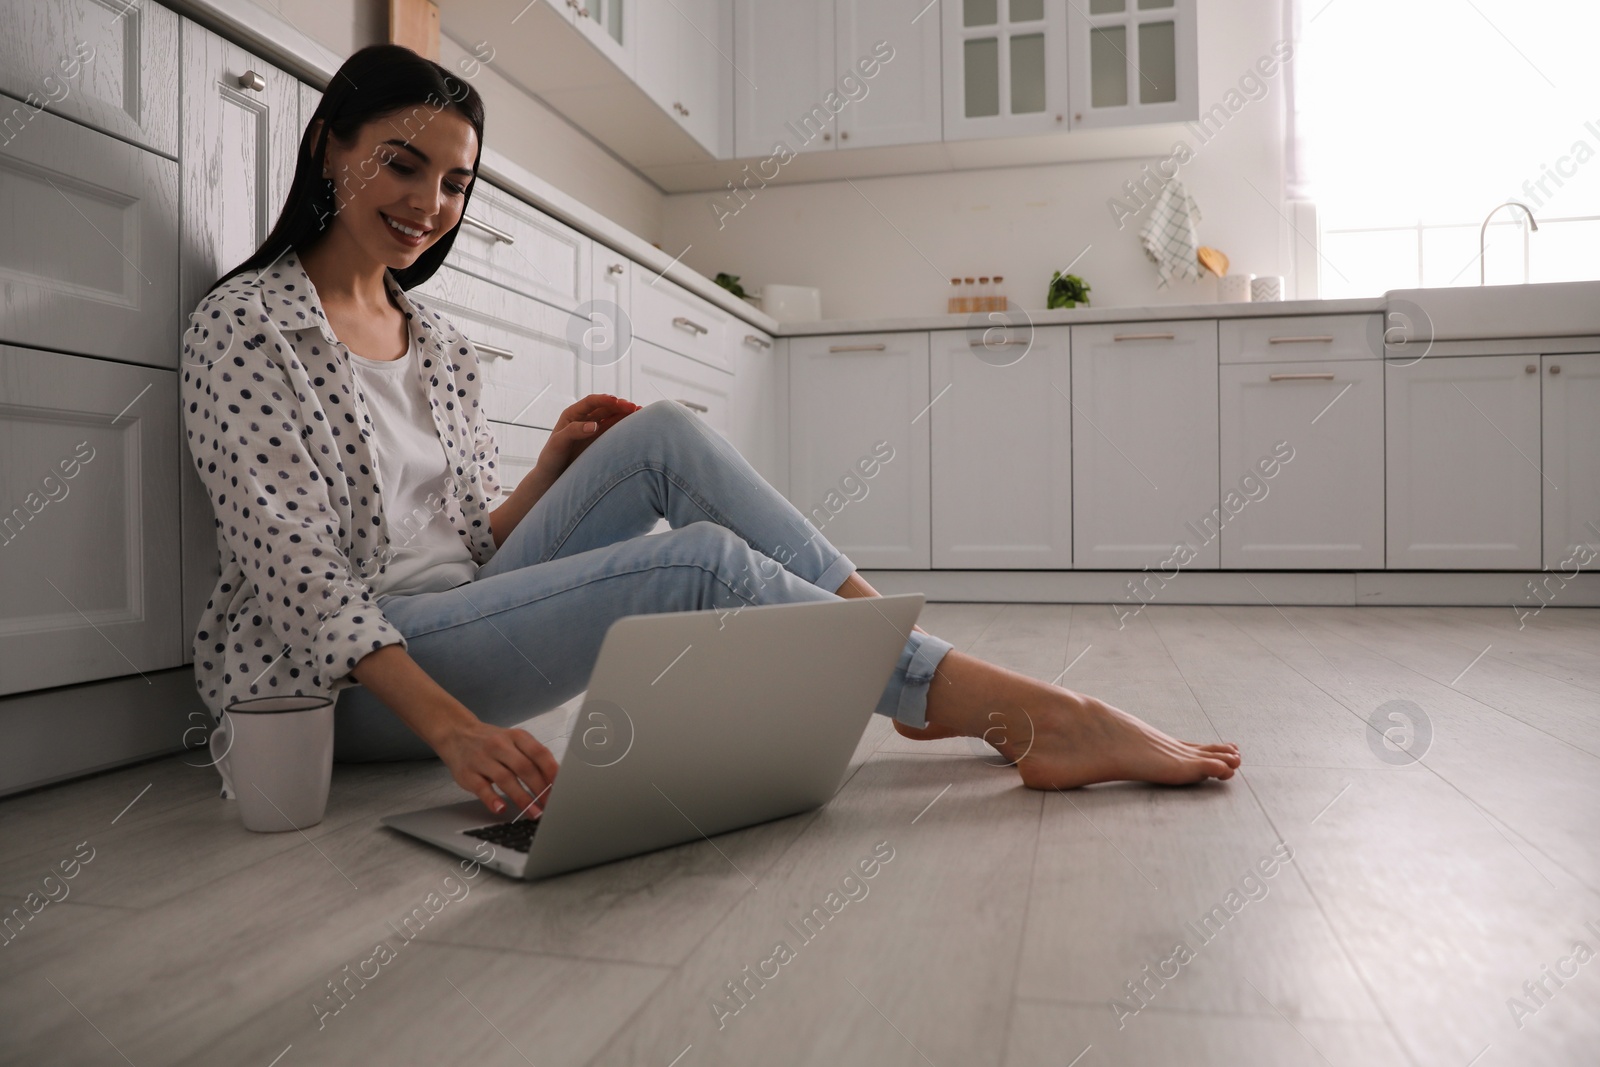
(1005, 67)
(1132, 61)
(606, 24)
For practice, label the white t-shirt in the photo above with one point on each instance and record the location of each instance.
(428, 554)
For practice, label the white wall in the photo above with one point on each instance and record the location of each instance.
(523, 128)
(1021, 222)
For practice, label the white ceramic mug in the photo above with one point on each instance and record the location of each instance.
(1266, 287)
(1234, 288)
(275, 755)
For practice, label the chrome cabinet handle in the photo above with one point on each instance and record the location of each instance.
(760, 342)
(689, 324)
(493, 231)
(492, 350)
(690, 404)
(1555, 368)
(1326, 339)
(1328, 377)
(253, 81)
(1143, 337)
(615, 268)
(857, 348)
(978, 342)
(1530, 369)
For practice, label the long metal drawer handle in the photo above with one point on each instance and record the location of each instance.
(1326, 339)
(978, 342)
(752, 339)
(1328, 377)
(1143, 337)
(857, 348)
(251, 80)
(689, 324)
(493, 231)
(693, 406)
(492, 350)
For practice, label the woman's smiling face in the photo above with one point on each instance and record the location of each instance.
(410, 169)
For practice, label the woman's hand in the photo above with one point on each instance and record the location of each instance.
(579, 427)
(481, 756)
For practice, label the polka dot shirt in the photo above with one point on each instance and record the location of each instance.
(279, 433)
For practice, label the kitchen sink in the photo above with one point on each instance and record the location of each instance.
(1465, 313)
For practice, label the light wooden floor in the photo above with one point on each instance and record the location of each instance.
(1418, 901)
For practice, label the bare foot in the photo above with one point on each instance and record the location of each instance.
(1057, 738)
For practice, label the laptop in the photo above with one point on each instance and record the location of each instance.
(695, 723)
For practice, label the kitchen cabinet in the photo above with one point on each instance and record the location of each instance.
(240, 118)
(661, 374)
(1570, 385)
(89, 459)
(1005, 67)
(1131, 62)
(112, 67)
(1001, 448)
(798, 55)
(606, 24)
(669, 315)
(604, 347)
(1144, 444)
(859, 444)
(682, 64)
(1462, 445)
(760, 404)
(88, 243)
(1320, 506)
(784, 53)
(508, 242)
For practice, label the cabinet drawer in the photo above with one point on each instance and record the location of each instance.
(518, 246)
(660, 374)
(1294, 337)
(88, 244)
(89, 463)
(529, 374)
(669, 315)
(110, 66)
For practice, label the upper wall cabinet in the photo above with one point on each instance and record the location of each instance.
(1132, 62)
(112, 66)
(1005, 67)
(846, 74)
(608, 26)
(685, 66)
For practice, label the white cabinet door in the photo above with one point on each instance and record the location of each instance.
(858, 444)
(1571, 460)
(1302, 465)
(1005, 67)
(1133, 63)
(89, 459)
(785, 50)
(661, 374)
(112, 66)
(239, 147)
(605, 347)
(901, 102)
(1002, 448)
(705, 74)
(760, 416)
(1144, 444)
(608, 25)
(1463, 463)
(683, 63)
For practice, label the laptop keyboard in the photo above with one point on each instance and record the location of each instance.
(516, 836)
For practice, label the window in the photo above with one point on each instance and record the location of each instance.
(1413, 118)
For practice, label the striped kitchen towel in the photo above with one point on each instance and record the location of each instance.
(1169, 234)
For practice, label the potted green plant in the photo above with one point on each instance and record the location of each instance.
(730, 282)
(1067, 291)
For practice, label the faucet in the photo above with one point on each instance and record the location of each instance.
(1483, 231)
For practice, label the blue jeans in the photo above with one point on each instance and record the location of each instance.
(523, 636)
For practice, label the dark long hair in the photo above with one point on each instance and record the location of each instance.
(375, 81)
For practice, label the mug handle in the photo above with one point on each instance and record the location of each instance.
(219, 760)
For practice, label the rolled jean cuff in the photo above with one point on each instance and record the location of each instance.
(907, 702)
(834, 577)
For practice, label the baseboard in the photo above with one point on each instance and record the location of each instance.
(73, 730)
(1333, 588)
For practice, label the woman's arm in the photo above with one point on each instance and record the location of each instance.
(480, 756)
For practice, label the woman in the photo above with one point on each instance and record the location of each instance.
(337, 424)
